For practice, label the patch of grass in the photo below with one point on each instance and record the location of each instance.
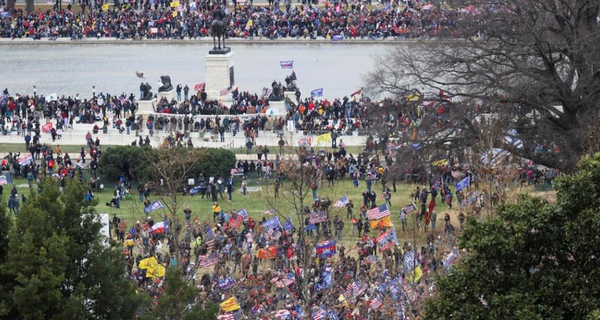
(20, 147)
(258, 202)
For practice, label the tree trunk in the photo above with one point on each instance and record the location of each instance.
(10, 5)
(29, 7)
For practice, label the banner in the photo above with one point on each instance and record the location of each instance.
(195, 190)
(226, 284)
(105, 7)
(237, 172)
(316, 93)
(5, 179)
(272, 224)
(409, 208)
(288, 225)
(154, 206)
(317, 217)
(243, 213)
(174, 4)
(341, 203)
(26, 160)
(305, 142)
(326, 249)
(325, 138)
(286, 64)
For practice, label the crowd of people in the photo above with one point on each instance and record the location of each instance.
(191, 19)
(104, 112)
(263, 265)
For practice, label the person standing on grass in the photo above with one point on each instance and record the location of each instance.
(230, 188)
(244, 185)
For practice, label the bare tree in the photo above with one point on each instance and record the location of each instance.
(539, 58)
(169, 171)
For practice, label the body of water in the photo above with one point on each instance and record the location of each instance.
(72, 69)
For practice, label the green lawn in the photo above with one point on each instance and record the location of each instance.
(258, 202)
(20, 147)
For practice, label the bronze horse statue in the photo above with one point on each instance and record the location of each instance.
(217, 28)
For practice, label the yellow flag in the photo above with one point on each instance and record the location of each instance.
(441, 162)
(416, 275)
(105, 7)
(230, 305)
(174, 4)
(175, 14)
(382, 223)
(152, 267)
(324, 138)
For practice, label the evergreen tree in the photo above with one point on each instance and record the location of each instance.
(179, 301)
(533, 260)
(57, 266)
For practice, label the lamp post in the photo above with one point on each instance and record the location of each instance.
(34, 91)
(93, 91)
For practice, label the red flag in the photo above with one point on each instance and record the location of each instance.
(199, 86)
(357, 92)
(47, 127)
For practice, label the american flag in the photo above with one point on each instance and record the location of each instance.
(208, 260)
(269, 212)
(320, 315)
(409, 208)
(236, 221)
(378, 212)
(289, 279)
(411, 295)
(341, 203)
(273, 233)
(355, 289)
(209, 238)
(226, 316)
(282, 314)
(376, 303)
(317, 217)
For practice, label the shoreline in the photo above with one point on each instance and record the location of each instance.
(208, 40)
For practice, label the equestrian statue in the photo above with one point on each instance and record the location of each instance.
(217, 29)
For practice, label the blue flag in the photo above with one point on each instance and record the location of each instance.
(316, 93)
(243, 213)
(310, 227)
(154, 206)
(272, 224)
(464, 183)
(288, 224)
(286, 64)
(194, 190)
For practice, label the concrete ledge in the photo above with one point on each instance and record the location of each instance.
(207, 40)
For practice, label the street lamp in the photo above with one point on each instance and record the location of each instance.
(93, 91)
(34, 92)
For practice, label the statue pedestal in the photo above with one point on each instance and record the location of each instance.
(276, 108)
(290, 95)
(219, 76)
(146, 106)
(169, 95)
